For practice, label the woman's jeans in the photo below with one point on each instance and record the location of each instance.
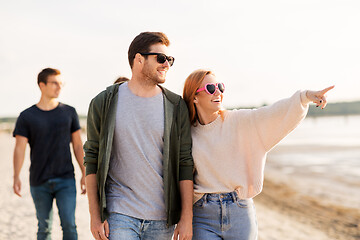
(64, 191)
(224, 216)
(123, 227)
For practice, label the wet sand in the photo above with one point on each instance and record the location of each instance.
(318, 201)
(284, 213)
(285, 209)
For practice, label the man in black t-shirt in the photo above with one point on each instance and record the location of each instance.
(49, 126)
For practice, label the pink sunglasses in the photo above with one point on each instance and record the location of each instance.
(210, 88)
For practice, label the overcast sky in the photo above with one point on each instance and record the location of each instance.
(262, 50)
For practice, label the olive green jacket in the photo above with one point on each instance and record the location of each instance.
(177, 159)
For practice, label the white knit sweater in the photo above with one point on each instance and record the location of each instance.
(230, 154)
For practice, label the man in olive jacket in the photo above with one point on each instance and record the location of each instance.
(139, 168)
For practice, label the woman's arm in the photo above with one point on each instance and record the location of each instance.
(276, 121)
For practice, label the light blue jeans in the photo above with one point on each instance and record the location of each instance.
(64, 191)
(224, 216)
(123, 227)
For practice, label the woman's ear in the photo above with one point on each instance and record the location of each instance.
(195, 100)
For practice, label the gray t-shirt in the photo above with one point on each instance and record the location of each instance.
(134, 186)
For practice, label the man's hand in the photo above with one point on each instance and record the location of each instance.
(17, 186)
(183, 230)
(99, 230)
(79, 155)
(19, 156)
(82, 185)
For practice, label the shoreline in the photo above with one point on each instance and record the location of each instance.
(335, 221)
(327, 173)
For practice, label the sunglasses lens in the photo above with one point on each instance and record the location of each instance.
(221, 87)
(210, 88)
(161, 58)
(170, 60)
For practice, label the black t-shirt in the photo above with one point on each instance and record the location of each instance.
(49, 136)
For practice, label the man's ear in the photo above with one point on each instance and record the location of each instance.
(41, 85)
(139, 58)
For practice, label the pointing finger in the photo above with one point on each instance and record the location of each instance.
(325, 90)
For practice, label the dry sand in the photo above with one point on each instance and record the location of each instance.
(17, 215)
(283, 213)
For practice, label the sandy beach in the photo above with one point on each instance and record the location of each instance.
(18, 219)
(287, 208)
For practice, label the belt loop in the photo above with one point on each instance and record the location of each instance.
(234, 197)
(205, 197)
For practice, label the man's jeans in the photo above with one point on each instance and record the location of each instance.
(224, 216)
(123, 227)
(64, 191)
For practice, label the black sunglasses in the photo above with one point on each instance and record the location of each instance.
(161, 58)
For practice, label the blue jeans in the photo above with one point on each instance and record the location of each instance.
(64, 191)
(130, 228)
(224, 216)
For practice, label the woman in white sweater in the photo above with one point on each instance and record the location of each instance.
(229, 151)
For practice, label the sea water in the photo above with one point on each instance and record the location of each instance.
(323, 156)
(324, 143)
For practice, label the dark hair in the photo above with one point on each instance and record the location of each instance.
(121, 79)
(142, 43)
(45, 73)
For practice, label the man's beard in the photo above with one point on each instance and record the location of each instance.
(151, 76)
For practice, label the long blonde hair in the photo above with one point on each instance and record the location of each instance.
(192, 84)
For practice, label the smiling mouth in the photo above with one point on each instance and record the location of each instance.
(162, 72)
(217, 100)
